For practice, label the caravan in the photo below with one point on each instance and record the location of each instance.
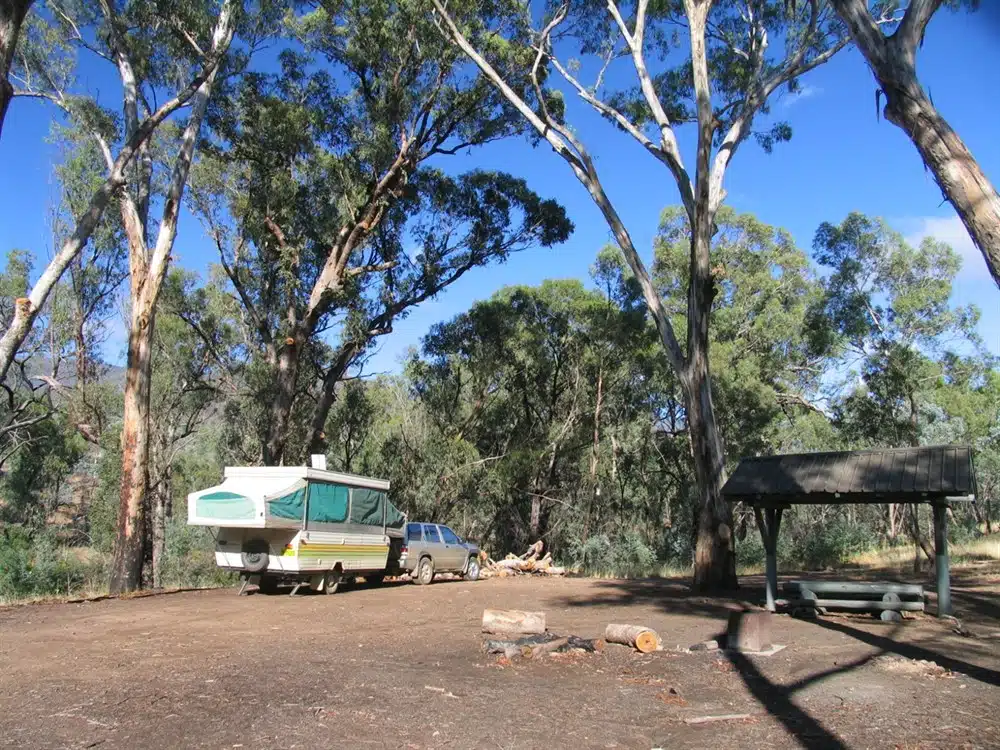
(301, 524)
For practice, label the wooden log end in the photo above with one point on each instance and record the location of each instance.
(647, 642)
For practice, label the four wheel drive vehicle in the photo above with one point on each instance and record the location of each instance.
(430, 548)
(298, 524)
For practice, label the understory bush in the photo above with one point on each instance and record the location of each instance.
(625, 556)
(189, 557)
(829, 545)
(34, 565)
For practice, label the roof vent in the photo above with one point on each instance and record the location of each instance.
(319, 461)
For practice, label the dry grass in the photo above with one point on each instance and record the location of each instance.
(983, 549)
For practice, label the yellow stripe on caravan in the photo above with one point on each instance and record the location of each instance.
(327, 550)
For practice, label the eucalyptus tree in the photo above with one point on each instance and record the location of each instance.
(45, 66)
(738, 56)
(887, 306)
(892, 58)
(332, 223)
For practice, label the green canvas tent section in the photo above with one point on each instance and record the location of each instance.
(291, 505)
(332, 503)
(328, 502)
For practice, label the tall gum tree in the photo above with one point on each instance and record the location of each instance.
(44, 69)
(210, 35)
(739, 54)
(893, 61)
(335, 220)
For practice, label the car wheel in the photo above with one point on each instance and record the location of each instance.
(425, 571)
(472, 570)
(254, 557)
(332, 582)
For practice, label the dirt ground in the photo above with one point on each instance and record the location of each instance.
(401, 667)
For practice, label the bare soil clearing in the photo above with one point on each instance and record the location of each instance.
(402, 667)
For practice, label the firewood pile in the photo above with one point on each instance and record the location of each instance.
(514, 634)
(530, 563)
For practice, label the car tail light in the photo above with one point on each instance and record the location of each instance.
(403, 550)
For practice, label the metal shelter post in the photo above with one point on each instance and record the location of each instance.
(941, 557)
(769, 522)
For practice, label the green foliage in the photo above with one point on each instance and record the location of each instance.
(103, 514)
(626, 556)
(189, 560)
(33, 565)
(830, 545)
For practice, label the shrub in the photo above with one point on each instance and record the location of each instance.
(831, 545)
(34, 565)
(631, 557)
(593, 555)
(189, 557)
(750, 552)
(627, 556)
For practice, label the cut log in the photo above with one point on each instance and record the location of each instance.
(639, 637)
(554, 571)
(513, 621)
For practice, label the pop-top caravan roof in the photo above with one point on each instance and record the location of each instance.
(293, 496)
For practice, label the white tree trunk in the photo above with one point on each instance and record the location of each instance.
(146, 283)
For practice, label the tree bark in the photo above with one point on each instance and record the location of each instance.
(126, 571)
(714, 557)
(286, 381)
(12, 13)
(893, 62)
(147, 272)
(920, 542)
(595, 491)
(317, 429)
(513, 621)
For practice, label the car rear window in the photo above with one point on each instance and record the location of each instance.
(449, 535)
(431, 534)
(413, 532)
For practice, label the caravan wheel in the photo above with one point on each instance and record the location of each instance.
(255, 556)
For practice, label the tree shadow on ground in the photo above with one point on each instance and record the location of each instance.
(777, 699)
(911, 651)
(674, 597)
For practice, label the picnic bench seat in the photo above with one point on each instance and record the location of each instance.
(888, 600)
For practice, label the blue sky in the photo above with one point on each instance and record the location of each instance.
(840, 159)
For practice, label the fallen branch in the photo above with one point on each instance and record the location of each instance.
(723, 717)
(513, 565)
(532, 646)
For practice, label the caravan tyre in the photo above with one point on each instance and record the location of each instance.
(254, 556)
